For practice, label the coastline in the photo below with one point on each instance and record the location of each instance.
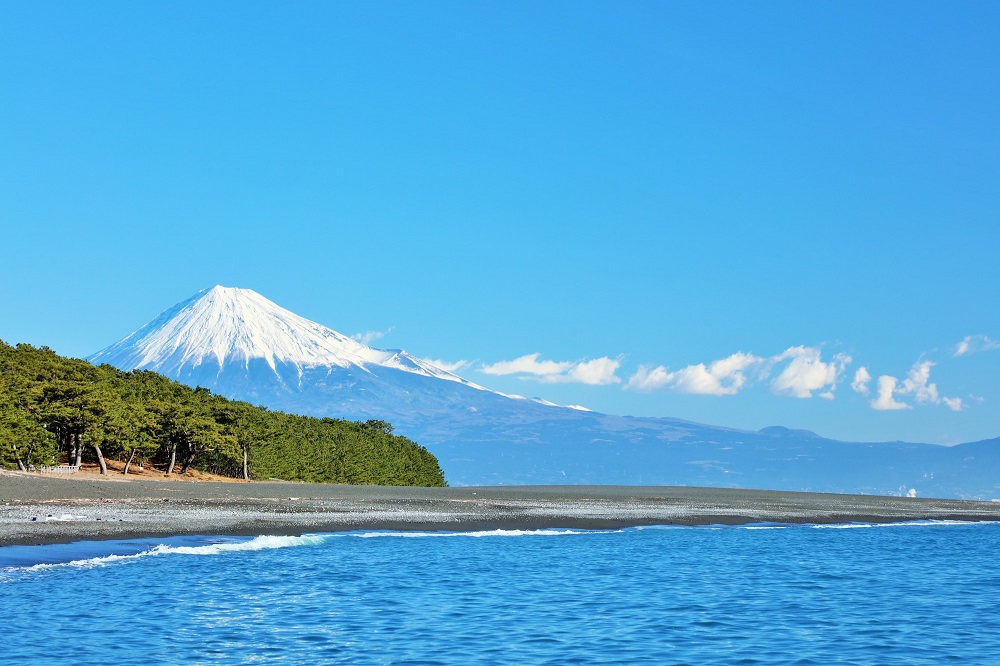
(36, 510)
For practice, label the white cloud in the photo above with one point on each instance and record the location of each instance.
(918, 385)
(954, 404)
(447, 365)
(723, 377)
(648, 379)
(369, 337)
(807, 372)
(975, 343)
(861, 380)
(885, 401)
(798, 372)
(527, 365)
(596, 371)
(804, 372)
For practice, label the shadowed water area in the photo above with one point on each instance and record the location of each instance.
(917, 593)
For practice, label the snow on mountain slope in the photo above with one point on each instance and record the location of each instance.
(241, 345)
(225, 326)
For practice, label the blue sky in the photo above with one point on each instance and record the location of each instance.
(715, 211)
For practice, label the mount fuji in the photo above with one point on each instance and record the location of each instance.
(243, 346)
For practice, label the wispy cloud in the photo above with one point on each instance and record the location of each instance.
(798, 372)
(723, 377)
(806, 372)
(972, 344)
(369, 337)
(861, 380)
(528, 365)
(448, 366)
(886, 389)
(801, 372)
(954, 404)
(598, 371)
(917, 385)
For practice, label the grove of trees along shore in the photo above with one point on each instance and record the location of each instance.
(55, 409)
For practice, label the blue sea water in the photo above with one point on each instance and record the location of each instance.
(926, 593)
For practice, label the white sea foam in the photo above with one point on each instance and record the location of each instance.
(904, 523)
(936, 523)
(88, 563)
(822, 526)
(257, 543)
(479, 534)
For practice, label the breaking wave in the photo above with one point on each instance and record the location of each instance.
(220, 547)
(216, 548)
(905, 523)
(477, 535)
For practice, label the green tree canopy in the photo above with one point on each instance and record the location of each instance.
(55, 409)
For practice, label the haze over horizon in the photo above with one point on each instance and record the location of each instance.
(735, 214)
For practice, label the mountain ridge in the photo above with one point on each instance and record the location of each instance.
(242, 345)
(231, 324)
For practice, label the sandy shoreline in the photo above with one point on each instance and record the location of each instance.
(47, 509)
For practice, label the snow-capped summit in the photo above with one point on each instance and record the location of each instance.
(228, 326)
(241, 345)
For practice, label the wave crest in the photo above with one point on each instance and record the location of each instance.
(265, 542)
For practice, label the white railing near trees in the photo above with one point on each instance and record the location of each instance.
(60, 469)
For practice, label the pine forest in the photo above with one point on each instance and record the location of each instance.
(55, 410)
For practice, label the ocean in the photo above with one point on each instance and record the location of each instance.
(911, 593)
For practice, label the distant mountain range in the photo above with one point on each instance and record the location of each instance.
(243, 346)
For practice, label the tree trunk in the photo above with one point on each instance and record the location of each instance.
(173, 458)
(20, 463)
(188, 461)
(77, 449)
(246, 465)
(65, 444)
(129, 462)
(100, 459)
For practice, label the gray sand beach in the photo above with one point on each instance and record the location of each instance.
(38, 509)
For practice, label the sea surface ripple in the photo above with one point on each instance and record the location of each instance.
(900, 594)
